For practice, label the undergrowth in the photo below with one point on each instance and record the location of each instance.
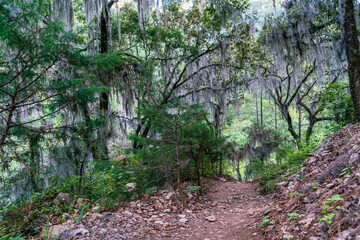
(105, 187)
(287, 160)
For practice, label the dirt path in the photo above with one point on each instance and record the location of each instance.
(227, 212)
(235, 207)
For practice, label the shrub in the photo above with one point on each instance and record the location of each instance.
(290, 161)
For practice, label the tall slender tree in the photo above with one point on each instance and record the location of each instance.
(352, 53)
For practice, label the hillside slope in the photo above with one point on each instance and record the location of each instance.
(322, 200)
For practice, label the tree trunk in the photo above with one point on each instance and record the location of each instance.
(34, 160)
(220, 167)
(8, 125)
(104, 98)
(178, 164)
(197, 172)
(103, 131)
(257, 110)
(352, 54)
(299, 108)
(312, 122)
(238, 170)
(287, 117)
(261, 109)
(275, 118)
(87, 135)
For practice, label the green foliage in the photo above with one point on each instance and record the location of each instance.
(328, 218)
(338, 100)
(256, 167)
(330, 205)
(270, 176)
(29, 51)
(192, 189)
(334, 199)
(105, 187)
(292, 217)
(149, 67)
(266, 222)
(27, 219)
(83, 210)
(288, 160)
(8, 237)
(313, 185)
(198, 145)
(293, 194)
(346, 171)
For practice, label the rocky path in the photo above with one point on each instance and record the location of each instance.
(235, 207)
(229, 211)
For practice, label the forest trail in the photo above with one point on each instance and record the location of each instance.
(236, 206)
(229, 211)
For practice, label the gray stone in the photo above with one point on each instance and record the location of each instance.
(311, 208)
(94, 229)
(183, 220)
(130, 186)
(288, 236)
(80, 232)
(307, 188)
(64, 198)
(353, 158)
(55, 231)
(211, 218)
(334, 169)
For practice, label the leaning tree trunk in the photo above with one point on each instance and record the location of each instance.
(352, 54)
(286, 115)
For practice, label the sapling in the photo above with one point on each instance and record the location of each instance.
(292, 217)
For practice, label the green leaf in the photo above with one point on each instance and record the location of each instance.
(192, 189)
(335, 198)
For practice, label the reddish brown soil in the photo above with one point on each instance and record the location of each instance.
(236, 208)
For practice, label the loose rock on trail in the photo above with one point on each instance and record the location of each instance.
(229, 211)
(234, 206)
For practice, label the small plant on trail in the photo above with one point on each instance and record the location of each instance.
(345, 171)
(192, 189)
(292, 217)
(293, 194)
(266, 222)
(314, 186)
(270, 207)
(330, 205)
(83, 210)
(150, 190)
(327, 218)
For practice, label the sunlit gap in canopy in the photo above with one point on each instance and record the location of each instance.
(186, 4)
